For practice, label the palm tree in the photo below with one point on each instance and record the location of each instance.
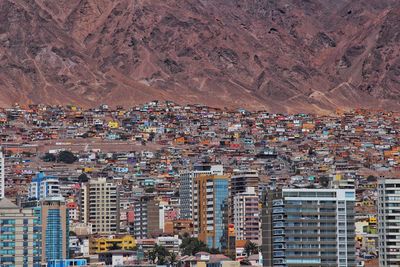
(173, 258)
(250, 248)
(152, 256)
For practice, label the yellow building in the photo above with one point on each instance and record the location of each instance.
(103, 244)
(113, 124)
(373, 220)
(87, 170)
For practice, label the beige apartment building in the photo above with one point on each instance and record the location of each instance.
(100, 206)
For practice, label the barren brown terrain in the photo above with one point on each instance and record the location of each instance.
(283, 56)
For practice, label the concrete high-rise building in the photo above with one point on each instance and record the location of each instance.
(16, 235)
(146, 218)
(43, 186)
(37, 236)
(309, 227)
(186, 186)
(2, 175)
(210, 202)
(55, 229)
(246, 215)
(241, 179)
(99, 206)
(342, 181)
(389, 222)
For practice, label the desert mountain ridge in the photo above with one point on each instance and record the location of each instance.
(282, 56)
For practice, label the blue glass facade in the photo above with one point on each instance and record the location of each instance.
(221, 195)
(54, 235)
(67, 263)
(48, 228)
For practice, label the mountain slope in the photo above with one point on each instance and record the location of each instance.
(289, 55)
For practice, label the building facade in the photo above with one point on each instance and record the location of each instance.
(55, 229)
(43, 186)
(186, 186)
(37, 236)
(16, 235)
(210, 202)
(246, 215)
(309, 227)
(242, 179)
(389, 222)
(107, 243)
(146, 218)
(100, 206)
(2, 175)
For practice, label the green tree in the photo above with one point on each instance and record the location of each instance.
(214, 251)
(159, 255)
(191, 245)
(67, 157)
(173, 258)
(150, 190)
(250, 248)
(83, 178)
(48, 157)
(152, 256)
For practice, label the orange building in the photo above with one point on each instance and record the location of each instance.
(210, 201)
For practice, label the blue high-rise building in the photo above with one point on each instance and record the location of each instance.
(67, 263)
(50, 231)
(55, 229)
(309, 227)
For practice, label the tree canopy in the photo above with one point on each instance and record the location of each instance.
(160, 255)
(191, 245)
(67, 157)
(251, 248)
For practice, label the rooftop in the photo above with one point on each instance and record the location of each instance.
(7, 204)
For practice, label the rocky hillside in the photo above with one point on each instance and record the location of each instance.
(287, 55)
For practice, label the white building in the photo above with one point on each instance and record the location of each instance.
(246, 215)
(389, 222)
(43, 186)
(172, 243)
